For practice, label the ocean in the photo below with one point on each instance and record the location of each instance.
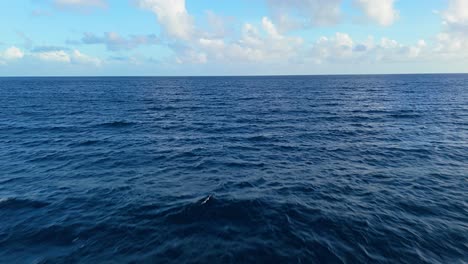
(287, 169)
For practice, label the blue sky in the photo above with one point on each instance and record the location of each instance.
(224, 37)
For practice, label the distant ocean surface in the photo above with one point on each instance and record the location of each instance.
(318, 169)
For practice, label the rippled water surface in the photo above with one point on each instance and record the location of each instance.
(337, 169)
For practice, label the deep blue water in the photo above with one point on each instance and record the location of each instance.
(329, 169)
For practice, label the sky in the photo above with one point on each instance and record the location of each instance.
(232, 37)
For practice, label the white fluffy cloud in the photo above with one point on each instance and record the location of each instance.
(256, 44)
(457, 12)
(191, 56)
(12, 53)
(391, 50)
(262, 42)
(456, 16)
(265, 44)
(452, 42)
(342, 48)
(336, 48)
(62, 56)
(382, 12)
(172, 16)
(295, 14)
(198, 46)
(268, 42)
(451, 46)
(80, 58)
(54, 56)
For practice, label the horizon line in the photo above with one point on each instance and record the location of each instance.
(250, 75)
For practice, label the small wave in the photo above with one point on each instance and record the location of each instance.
(116, 124)
(206, 200)
(405, 116)
(243, 164)
(15, 203)
(260, 138)
(211, 208)
(84, 143)
(162, 108)
(61, 128)
(10, 180)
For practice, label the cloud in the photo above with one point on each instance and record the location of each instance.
(193, 45)
(360, 48)
(134, 60)
(338, 47)
(80, 58)
(49, 54)
(264, 42)
(451, 46)
(391, 50)
(192, 57)
(452, 42)
(114, 42)
(81, 3)
(172, 16)
(12, 53)
(342, 48)
(256, 44)
(54, 56)
(315, 12)
(218, 25)
(299, 14)
(456, 15)
(63, 56)
(380, 11)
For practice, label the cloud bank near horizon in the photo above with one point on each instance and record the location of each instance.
(297, 36)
